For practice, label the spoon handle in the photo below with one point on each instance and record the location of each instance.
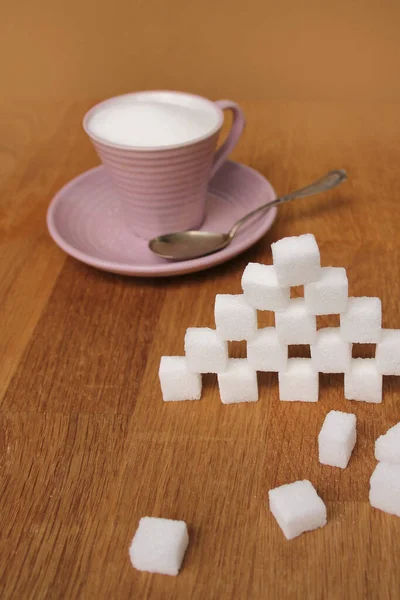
(327, 182)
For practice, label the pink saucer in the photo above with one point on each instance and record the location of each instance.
(84, 219)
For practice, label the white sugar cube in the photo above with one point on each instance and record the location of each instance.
(387, 446)
(362, 321)
(295, 325)
(205, 352)
(388, 352)
(300, 381)
(261, 289)
(177, 382)
(329, 294)
(265, 352)
(159, 545)
(235, 319)
(337, 438)
(238, 383)
(363, 381)
(329, 354)
(296, 260)
(384, 490)
(297, 508)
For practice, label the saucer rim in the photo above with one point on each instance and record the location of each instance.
(169, 268)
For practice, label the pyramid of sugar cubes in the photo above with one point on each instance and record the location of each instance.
(296, 262)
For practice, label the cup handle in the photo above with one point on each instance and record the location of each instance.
(236, 131)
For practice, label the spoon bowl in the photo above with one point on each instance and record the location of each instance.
(186, 245)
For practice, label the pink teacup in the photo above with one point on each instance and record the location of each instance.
(159, 148)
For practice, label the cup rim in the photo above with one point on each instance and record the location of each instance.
(100, 140)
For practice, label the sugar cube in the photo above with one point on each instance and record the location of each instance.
(329, 294)
(296, 260)
(384, 490)
(261, 289)
(238, 383)
(363, 381)
(177, 382)
(159, 545)
(388, 352)
(300, 382)
(297, 508)
(361, 323)
(337, 439)
(295, 325)
(265, 352)
(235, 318)
(387, 446)
(205, 352)
(329, 354)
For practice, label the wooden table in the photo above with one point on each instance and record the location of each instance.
(87, 445)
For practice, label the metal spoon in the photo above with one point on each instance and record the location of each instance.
(184, 245)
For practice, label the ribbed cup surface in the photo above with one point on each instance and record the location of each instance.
(162, 190)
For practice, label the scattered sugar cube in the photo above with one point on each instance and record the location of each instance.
(205, 352)
(177, 382)
(235, 319)
(295, 325)
(300, 382)
(362, 321)
(337, 439)
(159, 545)
(388, 352)
(329, 294)
(297, 508)
(363, 381)
(387, 446)
(265, 352)
(329, 354)
(296, 260)
(261, 289)
(384, 490)
(238, 383)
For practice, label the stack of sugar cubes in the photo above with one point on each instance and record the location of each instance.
(296, 262)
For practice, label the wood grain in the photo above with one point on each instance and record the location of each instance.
(88, 447)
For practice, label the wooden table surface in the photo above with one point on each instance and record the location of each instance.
(88, 447)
